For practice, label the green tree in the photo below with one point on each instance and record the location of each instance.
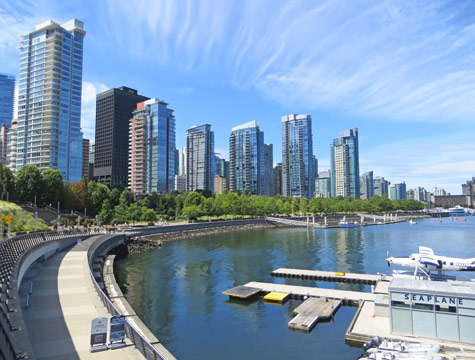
(106, 214)
(77, 196)
(192, 212)
(52, 186)
(28, 183)
(135, 212)
(194, 198)
(126, 198)
(7, 182)
(114, 197)
(148, 215)
(97, 193)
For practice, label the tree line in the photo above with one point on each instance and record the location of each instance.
(120, 207)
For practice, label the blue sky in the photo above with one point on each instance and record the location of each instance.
(403, 72)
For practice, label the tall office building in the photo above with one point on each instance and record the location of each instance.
(49, 101)
(7, 95)
(381, 186)
(92, 155)
(366, 186)
(152, 148)
(85, 159)
(298, 172)
(246, 158)
(345, 166)
(323, 184)
(397, 191)
(114, 109)
(200, 158)
(222, 169)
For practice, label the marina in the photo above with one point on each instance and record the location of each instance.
(203, 267)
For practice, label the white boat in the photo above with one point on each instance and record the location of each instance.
(393, 355)
(412, 222)
(349, 224)
(408, 347)
(456, 211)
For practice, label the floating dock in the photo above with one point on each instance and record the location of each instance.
(242, 292)
(311, 311)
(366, 279)
(299, 292)
(276, 297)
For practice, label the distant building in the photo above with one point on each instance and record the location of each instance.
(222, 169)
(182, 161)
(85, 159)
(420, 194)
(49, 98)
(323, 184)
(278, 179)
(177, 164)
(397, 191)
(180, 182)
(410, 194)
(366, 186)
(298, 173)
(449, 201)
(268, 170)
(92, 152)
(439, 192)
(7, 96)
(152, 148)
(114, 109)
(468, 189)
(345, 168)
(381, 186)
(246, 159)
(3, 143)
(219, 184)
(200, 158)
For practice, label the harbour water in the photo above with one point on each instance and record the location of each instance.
(177, 289)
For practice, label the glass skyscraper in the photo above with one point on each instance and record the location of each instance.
(298, 172)
(7, 95)
(366, 186)
(200, 167)
(345, 165)
(49, 104)
(246, 159)
(152, 148)
(323, 184)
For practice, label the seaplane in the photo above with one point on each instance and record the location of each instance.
(426, 261)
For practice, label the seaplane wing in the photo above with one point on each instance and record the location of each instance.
(423, 250)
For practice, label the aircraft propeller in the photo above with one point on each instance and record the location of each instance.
(387, 257)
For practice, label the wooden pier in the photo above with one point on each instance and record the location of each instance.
(313, 310)
(366, 279)
(299, 292)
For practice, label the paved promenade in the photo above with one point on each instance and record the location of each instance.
(62, 306)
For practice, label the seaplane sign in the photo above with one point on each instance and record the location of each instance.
(426, 261)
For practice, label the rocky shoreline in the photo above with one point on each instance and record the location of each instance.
(149, 242)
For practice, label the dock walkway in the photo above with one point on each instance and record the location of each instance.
(366, 279)
(348, 297)
(61, 307)
(311, 311)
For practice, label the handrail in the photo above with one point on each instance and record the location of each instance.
(141, 343)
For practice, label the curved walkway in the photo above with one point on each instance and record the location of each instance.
(61, 308)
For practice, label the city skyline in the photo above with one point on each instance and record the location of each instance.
(399, 72)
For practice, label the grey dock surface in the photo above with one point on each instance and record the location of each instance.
(331, 276)
(301, 291)
(242, 292)
(311, 311)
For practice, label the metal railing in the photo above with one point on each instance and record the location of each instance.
(141, 343)
(14, 342)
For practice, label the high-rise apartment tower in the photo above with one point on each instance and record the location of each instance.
(49, 101)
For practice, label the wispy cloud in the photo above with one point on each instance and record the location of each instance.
(397, 60)
(88, 107)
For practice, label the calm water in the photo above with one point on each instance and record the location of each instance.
(177, 290)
